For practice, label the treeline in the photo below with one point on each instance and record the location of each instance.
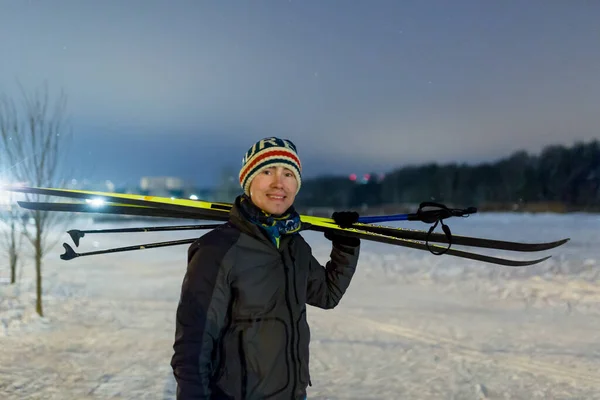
(566, 178)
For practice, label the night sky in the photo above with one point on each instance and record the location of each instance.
(184, 88)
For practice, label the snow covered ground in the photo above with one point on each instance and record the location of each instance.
(412, 325)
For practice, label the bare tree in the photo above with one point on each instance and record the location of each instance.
(34, 136)
(12, 237)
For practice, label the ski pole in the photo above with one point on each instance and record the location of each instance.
(71, 254)
(77, 234)
(427, 216)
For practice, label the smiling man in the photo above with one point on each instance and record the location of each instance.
(271, 175)
(241, 329)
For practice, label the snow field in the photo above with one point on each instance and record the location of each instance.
(412, 325)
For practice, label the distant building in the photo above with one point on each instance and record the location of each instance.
(86, 184)
(165, 186)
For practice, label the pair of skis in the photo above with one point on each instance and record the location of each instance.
(153, 206)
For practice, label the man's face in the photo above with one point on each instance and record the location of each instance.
(274, 189)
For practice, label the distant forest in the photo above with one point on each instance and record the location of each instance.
(558, 179)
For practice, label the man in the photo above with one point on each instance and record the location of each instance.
(241, 330)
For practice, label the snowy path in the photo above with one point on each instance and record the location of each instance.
(435, 346)
(396, 335)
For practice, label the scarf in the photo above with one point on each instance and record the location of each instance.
(274, 226)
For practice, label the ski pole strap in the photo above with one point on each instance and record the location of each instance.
(442, 212)
(437, 216)
(448, 233)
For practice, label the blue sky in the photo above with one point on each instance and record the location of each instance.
(185, 87)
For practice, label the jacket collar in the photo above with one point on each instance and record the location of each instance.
(239, 220)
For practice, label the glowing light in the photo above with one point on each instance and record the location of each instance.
(95, 202)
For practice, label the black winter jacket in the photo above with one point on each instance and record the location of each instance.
(241, 329)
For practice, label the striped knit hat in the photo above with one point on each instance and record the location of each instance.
(267, 153)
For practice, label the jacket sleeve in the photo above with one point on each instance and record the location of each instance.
(326, 285)
(201, 315)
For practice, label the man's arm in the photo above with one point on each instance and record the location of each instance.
(327, 285)
(201, 314)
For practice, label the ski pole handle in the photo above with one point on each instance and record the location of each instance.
(383, 218)
(429, 216)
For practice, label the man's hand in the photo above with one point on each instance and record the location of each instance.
(345, 219)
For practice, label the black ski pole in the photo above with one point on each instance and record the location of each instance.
(77, 234)
(71, 254)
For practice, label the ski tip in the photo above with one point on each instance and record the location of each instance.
(552, 245)
(541, 260)
(562, 241)
(549, 245)
(531, 262)
(519, 263)
(69, 253)
(75, 236)
(13, 188)
(25, 204)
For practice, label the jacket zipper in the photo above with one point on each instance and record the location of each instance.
(294, 277)
(298, 351)
(293, 330)
(295, 288)
(243, 364)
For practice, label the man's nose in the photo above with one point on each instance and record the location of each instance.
(278, 180)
